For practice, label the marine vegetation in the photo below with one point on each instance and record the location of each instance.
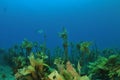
(105, 68)
(73, 61)
(64, 36)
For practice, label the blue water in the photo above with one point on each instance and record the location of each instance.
(85, 20)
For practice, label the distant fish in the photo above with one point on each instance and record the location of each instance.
(40, 31)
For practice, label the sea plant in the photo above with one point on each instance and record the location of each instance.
(36, 69)
(64, 36)
(105, 68)
(27, 45)
(68, 71)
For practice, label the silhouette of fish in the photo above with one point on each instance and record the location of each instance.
(40, 31)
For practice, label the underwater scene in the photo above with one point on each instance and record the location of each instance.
(59, 39)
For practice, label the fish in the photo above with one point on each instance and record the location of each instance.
(40, 31)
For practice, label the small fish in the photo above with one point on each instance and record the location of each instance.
(40, 31)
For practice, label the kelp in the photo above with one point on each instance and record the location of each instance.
(73, 61)
(36, 69)
(105, 68)
(68, 71)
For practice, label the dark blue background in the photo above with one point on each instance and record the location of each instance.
(85, 20)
